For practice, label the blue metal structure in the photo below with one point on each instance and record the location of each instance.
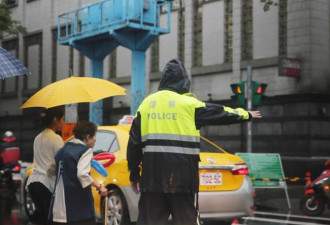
(97, 29)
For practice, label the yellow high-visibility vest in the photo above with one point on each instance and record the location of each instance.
(168, 123)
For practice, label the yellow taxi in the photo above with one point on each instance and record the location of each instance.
(225, 193)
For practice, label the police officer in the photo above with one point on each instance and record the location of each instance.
(164, 137)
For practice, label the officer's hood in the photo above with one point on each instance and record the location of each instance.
(175, 77)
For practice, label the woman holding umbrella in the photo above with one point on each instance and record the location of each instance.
(41, 181)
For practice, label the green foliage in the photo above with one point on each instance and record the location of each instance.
(9, 26)
(268, 3)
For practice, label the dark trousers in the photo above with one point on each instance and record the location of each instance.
(155, 209)
(41, 197)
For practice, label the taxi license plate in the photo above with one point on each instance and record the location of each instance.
(210, 178)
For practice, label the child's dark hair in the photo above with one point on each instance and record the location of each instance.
(48, 115)
(84, 128)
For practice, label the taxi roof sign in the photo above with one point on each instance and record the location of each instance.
(127, 119)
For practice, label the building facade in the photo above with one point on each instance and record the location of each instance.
(287, 48)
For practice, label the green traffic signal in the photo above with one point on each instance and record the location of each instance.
(258, 93)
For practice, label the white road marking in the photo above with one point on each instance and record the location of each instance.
(291, 216)
(280, 221)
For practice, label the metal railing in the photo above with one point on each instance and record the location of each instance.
(110, 15)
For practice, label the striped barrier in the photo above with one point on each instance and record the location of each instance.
(294, 179)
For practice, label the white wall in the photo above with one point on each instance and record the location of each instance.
(63, 62)
(216, 84)
(33, 65)
(168, 43)
(265, 31)
(124, 62)
(213, 33)
(311, 44)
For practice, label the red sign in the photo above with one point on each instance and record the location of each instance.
(67, 130)
(290, 67)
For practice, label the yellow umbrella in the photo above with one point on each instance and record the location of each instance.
(73, 90)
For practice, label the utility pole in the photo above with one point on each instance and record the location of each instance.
(249, 108)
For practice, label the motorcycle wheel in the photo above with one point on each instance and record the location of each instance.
(312, 205)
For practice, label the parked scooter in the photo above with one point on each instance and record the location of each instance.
(9, 164)
(8, 187)
(317, 194)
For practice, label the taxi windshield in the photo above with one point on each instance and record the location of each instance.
(106, 141)
(208, 147)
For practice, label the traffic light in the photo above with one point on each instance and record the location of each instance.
(258, 93)
(239, 93)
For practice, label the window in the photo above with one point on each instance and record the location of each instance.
(55, 54)
(178, 5)
(175, 4)
(113, 63)
(12, 84)
(106, 141)
(33, 46)
(283, 17)
(247, 29)
(10, 3)
(229, 31)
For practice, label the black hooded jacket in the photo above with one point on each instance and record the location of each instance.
(173, 172)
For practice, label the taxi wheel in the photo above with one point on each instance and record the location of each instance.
(29, 206)
(117, 208)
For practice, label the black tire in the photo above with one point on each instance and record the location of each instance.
(117, 208)
(29, 207)
(216, 222)
(312, 205)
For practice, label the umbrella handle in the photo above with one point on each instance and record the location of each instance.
(106, 210)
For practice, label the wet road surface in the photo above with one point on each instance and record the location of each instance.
(268, 212)
(18, 217)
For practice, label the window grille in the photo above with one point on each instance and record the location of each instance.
(113, 64)
(247, 30)
(54, 55)
(70, 71)
(155, 56)
(229, 31)
(81, 70)
(283, 17)
(181, 33)
(197, 39)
